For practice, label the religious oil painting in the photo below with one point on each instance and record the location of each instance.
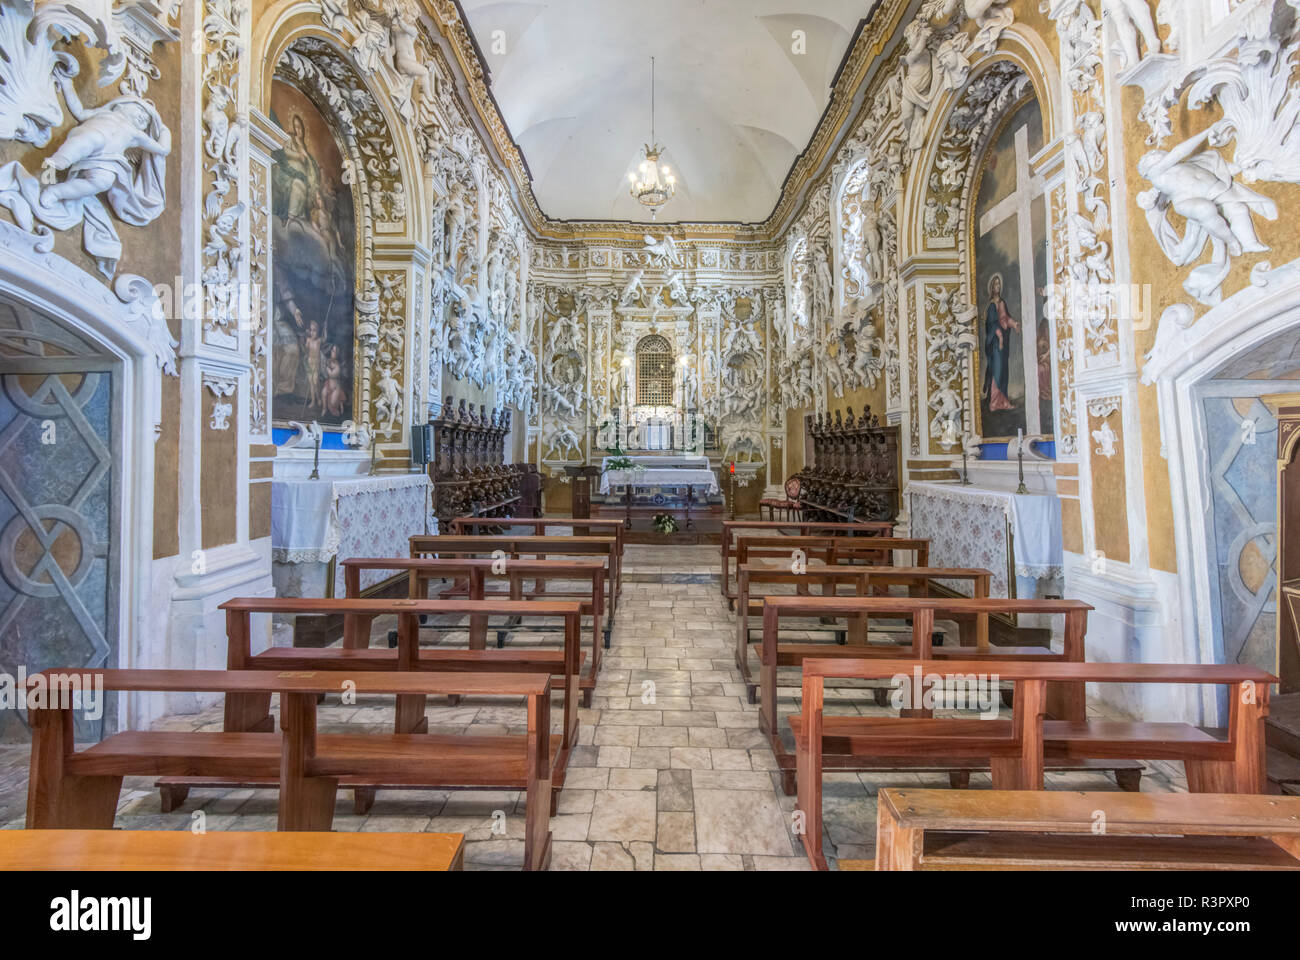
(1014, 368)
(314, 242)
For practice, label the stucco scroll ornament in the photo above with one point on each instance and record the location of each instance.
(117, 151)
(356, 435)
(305, 435)
(1199, 185)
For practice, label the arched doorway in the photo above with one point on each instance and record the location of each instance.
(60, 488)
(1220, 380)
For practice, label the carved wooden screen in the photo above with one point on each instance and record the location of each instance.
(654, 372)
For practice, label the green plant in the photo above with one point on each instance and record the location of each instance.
(620, 462)
(665, 523)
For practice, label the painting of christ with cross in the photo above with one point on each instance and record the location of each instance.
(1014, 376)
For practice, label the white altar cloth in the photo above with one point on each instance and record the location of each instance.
(642, 476)
(967, 527)
(316, 521)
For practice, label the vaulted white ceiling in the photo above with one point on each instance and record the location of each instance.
(737, 100)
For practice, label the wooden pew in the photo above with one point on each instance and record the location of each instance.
(131, 850)
(71, 789)
(874, 551)
(1050, 830)
(469, 526)
(470, 578)
(541, 548)
(251, 712)
(1065, 701)
(734, 528)
(862, 581)
(1017, 748)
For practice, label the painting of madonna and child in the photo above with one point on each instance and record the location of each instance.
(1014, 371)
(313, 229)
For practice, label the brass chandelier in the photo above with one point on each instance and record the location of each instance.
(653, 183)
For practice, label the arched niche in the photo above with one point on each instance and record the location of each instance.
(330, 205)
(978, 212)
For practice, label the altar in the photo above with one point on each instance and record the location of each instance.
(314, 523)
(1017, 537)
(660, 477)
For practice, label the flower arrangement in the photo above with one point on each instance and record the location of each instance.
(665, 523)
(619, 462)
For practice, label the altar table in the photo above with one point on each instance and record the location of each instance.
(653, 473)
(1018, 537)
(316, 522)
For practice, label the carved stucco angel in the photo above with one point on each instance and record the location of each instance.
(388, 405)
(1199, 185)
(916, 82)
(663, 251)
(117, 150)
(1132, 19)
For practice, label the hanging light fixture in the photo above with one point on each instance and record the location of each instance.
(653, 183)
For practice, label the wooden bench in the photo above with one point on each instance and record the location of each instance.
(470, 577)
(71, 789)
(873, 551)
(1050, 830)
(251, 712)
(922, 613)
(538, 547)
(734, 528)
(131, 850)
(1016, 749)
(863, 582)
(1065, 701)
(469, 526)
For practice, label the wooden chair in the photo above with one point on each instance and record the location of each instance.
(1051, 830)
(1016, 749)
(788, 507)
(130, 850)
(469, 582)
(78, 789)
(734, 528)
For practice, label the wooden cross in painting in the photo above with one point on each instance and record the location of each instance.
(1011, 271)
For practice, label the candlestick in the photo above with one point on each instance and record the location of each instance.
(1021, 490)
(373, 442)
(315, 466)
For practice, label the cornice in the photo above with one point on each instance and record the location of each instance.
(874, 33)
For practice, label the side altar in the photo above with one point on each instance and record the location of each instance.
(1016, 536)
(315, 523)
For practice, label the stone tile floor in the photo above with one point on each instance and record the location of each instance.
(672, 772)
